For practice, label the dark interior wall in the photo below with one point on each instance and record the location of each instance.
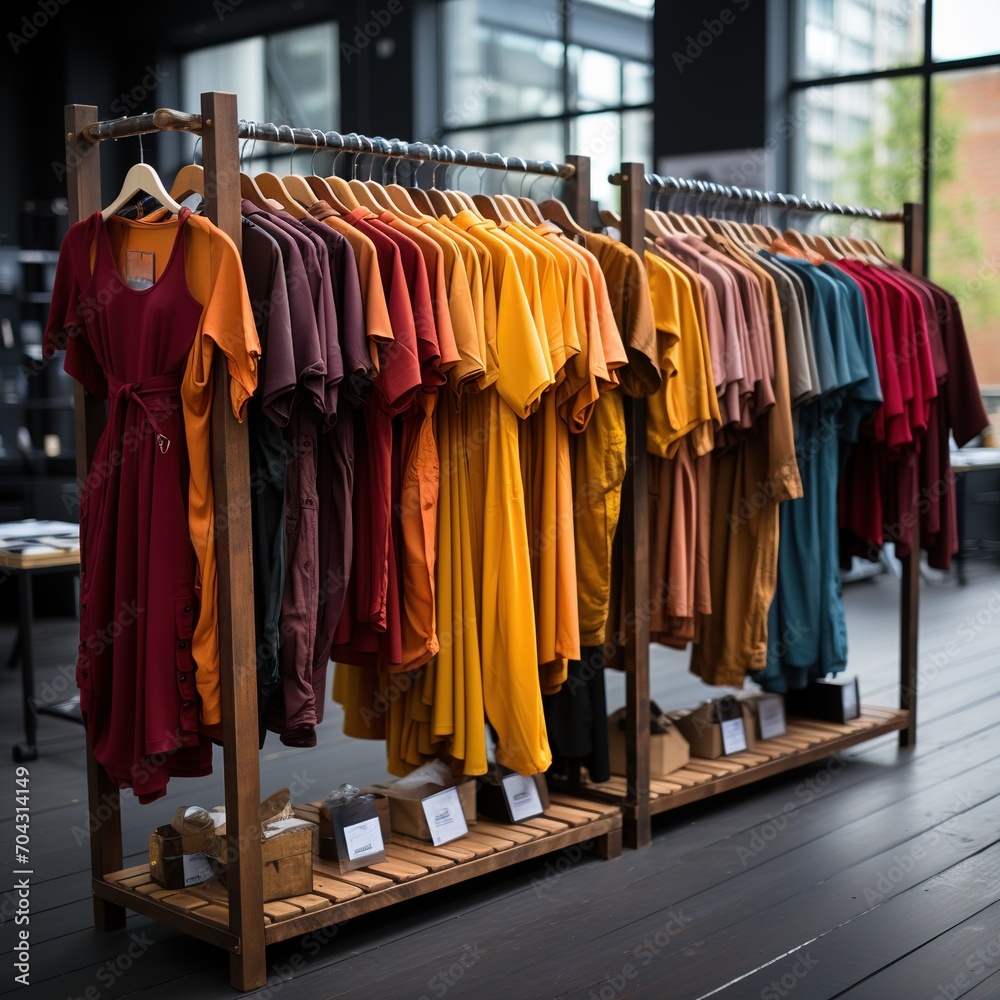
(710, 80)
(83, 53)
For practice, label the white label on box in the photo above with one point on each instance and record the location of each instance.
(523, 799)
(364, 839)
(734, 736)
(851, 710)
(445, 819)
(196, 869)
(771, 716)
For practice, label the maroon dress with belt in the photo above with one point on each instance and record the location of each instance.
(137, 566)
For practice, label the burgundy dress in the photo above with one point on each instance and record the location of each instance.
(137, 565)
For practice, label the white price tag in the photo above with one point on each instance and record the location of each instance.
(523, 799)
(851, 710)
(363, 839)
(734, 736)
(771, 716)
(196, 869)
(445, 819)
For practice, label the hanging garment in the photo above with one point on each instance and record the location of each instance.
(148, 666)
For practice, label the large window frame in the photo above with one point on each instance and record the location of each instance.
(926, 71)
(564, 13)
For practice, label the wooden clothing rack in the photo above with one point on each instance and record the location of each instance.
(236, 919)
(639, 796)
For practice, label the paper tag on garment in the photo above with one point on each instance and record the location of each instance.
(771, 716)
(363, 839)
(444, 815)
(850, 691)
(140, 268)
(523, 799)
(196, 869)
(734, 736)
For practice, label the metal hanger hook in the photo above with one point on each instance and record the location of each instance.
(312, 160)
(291, 137)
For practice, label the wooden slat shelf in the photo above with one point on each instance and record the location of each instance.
(412, 868)
(806, 741)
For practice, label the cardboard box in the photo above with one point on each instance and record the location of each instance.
(833, 699)
(287, 857)
(702, 727)
(406, 815)
(170, 867)
(776, 716)
(668, 751)
(493, 803)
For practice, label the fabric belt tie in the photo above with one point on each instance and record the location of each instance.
(157, 385)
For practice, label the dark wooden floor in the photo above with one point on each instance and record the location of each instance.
(873, 875)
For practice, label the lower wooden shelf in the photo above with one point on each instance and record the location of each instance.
(805, 741)
(411, 868)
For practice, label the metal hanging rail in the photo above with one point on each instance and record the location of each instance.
(766, 199)
(165, 119)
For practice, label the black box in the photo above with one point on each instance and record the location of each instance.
(492, 802)
(832, 699)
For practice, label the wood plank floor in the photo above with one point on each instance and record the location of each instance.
(872, 874)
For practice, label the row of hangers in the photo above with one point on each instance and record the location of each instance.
(812, 246)
(294, 192)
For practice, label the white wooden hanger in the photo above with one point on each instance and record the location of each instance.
(141, 178)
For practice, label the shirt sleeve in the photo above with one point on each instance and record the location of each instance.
(70, 309)
(228, 321)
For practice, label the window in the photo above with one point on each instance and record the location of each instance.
(562, 76)
(291, 77)
(965, 206)
(863, 73)
(966, 28)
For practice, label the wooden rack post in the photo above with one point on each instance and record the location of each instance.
(237, 647)
(639, 795)
(637, 829)
(909, 612)
(237, 919)
(83, 180)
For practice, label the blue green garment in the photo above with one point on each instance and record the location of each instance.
(807, 630)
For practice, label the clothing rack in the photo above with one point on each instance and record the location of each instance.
(639, 796)
(785, 202)
(165, 119)
(236, 919)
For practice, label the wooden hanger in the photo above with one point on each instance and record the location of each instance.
(141, 179)
(248, 186)
(658, 223)
(273, 187)
(555, 211)
(190, 179)
(319, 187)
(302, 192)
(609, 219)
